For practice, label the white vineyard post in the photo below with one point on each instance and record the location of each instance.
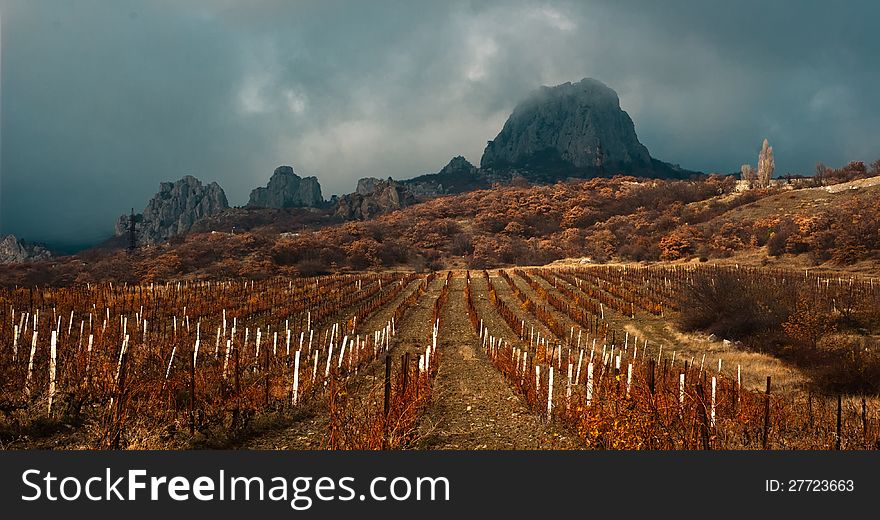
(329, 358)
(342, 351)
(738, 382)
(296, 377)
(712, 422)
(589, 383)
(568, 388)
(119, 363)
(550, 394)
(52, 365)
(427, 358)
(27, 385)
(89, 355)
(170, 362)
(315, 367)
(537, 380)
(629, 376)
(681, 389)
(226, 358)
(257, 346)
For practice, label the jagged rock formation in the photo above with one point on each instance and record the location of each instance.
(572, 130)
(766, 165)
(367, 185)
(456, 177)
(174, 210)
(15, 251)
(287, 190)
(374, 197)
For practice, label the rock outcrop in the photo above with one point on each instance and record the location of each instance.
(15, 251)
(456, 177)
(571, 130)
(174, 210)
(374, 197)
(286, 189)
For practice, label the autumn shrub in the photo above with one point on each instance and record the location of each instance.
(312, 267)
(849, 364)
(462, 245)
(730, 307)
(776, 244)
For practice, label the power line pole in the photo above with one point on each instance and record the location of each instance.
(132, 234)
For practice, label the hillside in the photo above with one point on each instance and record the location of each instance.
(618, 219)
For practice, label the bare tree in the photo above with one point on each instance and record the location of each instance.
(748, 175)
(766, 165)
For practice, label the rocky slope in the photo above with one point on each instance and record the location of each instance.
(174, 210)
(571, 130)
(15, 251)
(286, 189)
(374, 197)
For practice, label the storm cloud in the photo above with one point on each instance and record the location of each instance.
(102, 100)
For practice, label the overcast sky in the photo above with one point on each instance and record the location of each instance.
(102, 100)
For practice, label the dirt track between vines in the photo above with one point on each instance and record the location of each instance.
(474, 408)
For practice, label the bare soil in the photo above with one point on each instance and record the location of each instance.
(474, 407)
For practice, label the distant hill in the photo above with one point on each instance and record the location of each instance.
(619, 219)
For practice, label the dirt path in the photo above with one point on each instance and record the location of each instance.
(308, 429)
(474, 408)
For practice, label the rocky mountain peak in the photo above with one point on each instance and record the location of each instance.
(374, 197)
(286, 189)
(174, 209)
(458, 176)
(15, 251)
(570, 130)
(458, 165)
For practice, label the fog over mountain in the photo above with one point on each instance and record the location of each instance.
(100, 101)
